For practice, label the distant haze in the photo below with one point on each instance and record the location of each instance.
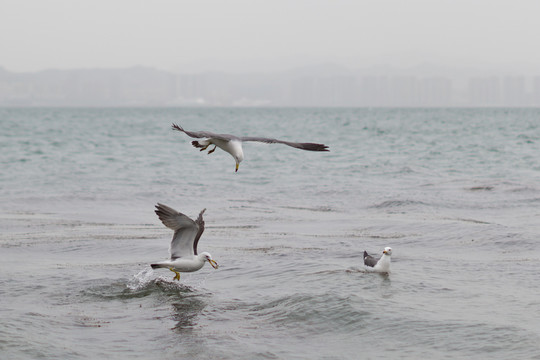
(266, 36)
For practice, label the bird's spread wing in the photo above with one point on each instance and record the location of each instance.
(303, 146)
(185, 231)
(204, 134)
(369, 260)
(200, 223)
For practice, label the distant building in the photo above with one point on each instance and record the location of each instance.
(435, 92)
(324, 91)
(404, 91)
(514, 91)
(374, 91)
(190, 90)
(141, 86)
(484, 91)
(535, 96)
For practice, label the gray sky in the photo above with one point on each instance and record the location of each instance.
(256, 35)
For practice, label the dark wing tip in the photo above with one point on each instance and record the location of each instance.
(200, 218)
(177, 127)
(314, 147)
(160, 206)
(159, 210)
(163, 211)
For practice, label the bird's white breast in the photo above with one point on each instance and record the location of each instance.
(383, 265)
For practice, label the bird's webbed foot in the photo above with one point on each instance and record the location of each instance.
(177, 276)
(211, 151)
(205, 147)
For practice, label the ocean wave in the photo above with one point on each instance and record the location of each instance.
(313, 313)
(398, 204)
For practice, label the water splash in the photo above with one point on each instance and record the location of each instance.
(146, 280)
(141, 280)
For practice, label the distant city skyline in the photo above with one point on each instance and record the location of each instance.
(323, 85)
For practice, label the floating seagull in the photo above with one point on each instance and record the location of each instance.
(382, 265)
(233, 144)
(183, 249)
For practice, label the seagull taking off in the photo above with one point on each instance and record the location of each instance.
(183, 248)
(382, 265)
(233, 144)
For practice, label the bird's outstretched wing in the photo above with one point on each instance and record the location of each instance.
(204, 134)
(302, 146)
(185, 231)
(369, 260)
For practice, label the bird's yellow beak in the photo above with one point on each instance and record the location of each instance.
(384, 252)
(236, 167)
(213, 263)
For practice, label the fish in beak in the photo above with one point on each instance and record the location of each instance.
(213, 263)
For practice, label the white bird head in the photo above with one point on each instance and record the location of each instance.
(238, 158)
(387, 251)
(207, 257)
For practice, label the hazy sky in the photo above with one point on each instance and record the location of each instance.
(256, 35)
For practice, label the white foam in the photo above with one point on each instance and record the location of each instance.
(141, 279)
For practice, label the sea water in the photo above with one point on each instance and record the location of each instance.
(454, 192)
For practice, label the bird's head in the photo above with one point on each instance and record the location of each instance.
(238, 158)
(387, 251)
(207, 257)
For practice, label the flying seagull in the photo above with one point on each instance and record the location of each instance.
(183, 249)
(233, 144)
(382, 265)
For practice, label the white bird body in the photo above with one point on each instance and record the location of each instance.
(183, 248)
(187, 264)
(382, 265)
(233, 147)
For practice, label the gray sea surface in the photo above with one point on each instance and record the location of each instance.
(454, 192)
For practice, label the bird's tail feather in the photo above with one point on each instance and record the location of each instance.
(155, 266)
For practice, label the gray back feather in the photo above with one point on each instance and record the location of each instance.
(369, 260)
